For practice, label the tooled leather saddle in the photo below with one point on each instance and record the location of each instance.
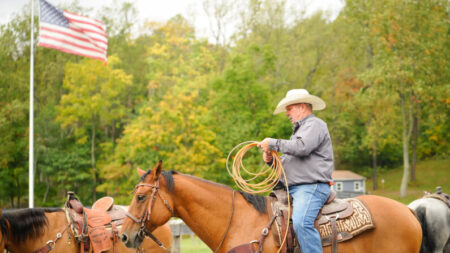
(335, 221)
(338, 220)
(94, 228)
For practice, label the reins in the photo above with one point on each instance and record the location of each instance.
(271, 175)
(229, 223)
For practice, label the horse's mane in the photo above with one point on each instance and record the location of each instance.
(167, 176)
(258, 202)
(25, 224)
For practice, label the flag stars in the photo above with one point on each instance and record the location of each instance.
(52, 15)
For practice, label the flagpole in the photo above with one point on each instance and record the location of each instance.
(31, 132)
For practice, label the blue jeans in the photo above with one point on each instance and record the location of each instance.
(308, 199)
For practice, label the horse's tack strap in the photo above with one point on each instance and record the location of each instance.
(44, 249)
(132, 217)
(264, 233)
(115, 235)
(334, 234)
(160, 244)
(50, 245)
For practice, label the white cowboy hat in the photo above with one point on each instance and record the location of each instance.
(298, 96)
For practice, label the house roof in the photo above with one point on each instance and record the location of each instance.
(346, 175)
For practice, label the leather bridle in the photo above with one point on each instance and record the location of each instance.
(143, 231)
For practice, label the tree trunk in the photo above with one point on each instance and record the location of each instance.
(406, 116)
(374, 165)
(11, 200)
(313, 69)
(415, 136)
(47, 189)
(94, 177)
(18, 193)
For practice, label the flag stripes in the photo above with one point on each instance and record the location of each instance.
(72, 33)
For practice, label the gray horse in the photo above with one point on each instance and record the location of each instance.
(434, 216)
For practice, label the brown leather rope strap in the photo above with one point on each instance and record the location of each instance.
(50, 245)
(229, 223)
(166, 203)
(265, 232)
(334, 245)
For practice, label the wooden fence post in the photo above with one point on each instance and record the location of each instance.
(178, 229)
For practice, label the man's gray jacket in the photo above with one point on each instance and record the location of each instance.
(308, 155)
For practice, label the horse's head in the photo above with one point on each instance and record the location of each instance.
(150, 208)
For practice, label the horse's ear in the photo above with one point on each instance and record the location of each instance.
(157, 169)
(140, 172)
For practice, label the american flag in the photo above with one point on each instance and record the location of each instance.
(71, 33)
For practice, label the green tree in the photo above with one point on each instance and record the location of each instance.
(93, 101)
(14, 104)
(173, 124)
(399, 52)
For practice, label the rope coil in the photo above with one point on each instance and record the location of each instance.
(270, 175)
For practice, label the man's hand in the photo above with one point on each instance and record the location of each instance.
(264, 145)
(267, 157)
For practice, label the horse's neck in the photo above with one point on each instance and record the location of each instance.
(56, 223)
(205, 207)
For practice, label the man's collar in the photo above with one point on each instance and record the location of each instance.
(300, 122)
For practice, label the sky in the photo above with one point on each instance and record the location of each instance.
(163, 10)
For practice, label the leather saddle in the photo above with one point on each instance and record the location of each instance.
(439, 195)
(95, 228)
(333, 210)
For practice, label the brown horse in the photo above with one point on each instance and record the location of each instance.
(207, 208)
(28, 230)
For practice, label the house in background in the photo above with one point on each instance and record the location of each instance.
(348, 184)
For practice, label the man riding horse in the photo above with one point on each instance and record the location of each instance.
(307, 161)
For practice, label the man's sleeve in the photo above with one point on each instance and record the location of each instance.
(302, 143)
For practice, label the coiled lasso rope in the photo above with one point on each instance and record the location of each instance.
(262, 181)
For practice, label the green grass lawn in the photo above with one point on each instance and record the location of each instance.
(429, 174)
(192, 244)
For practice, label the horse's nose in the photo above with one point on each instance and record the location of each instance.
(124, 238)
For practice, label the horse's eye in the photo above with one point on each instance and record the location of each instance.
(140, 197)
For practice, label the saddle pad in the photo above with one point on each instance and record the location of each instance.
(360, 221)
(118, 214)
(441, 197)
